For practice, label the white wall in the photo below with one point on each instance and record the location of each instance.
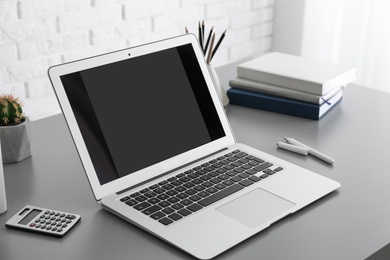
(36, 34)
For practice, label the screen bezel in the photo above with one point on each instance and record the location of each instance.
(152, 171)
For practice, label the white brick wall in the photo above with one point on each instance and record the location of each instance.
(36, 34)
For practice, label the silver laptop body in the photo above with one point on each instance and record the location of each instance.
(148, 116)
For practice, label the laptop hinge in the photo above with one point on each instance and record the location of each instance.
(168, 172)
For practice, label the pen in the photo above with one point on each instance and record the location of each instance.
(208, 40)
(211, 47)
(293, 148)
(313, 152)
(218, 43)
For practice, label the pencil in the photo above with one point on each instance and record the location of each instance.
(200, 36)
(219, 43)
(211, 48)
(203, 33)
(208, 40)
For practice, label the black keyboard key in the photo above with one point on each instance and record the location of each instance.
(131, 202)
(203, 194)
(164, 204)
(182, 195)
(190, 192)
(175, 216)
(228, 182)
(264, 176)
(195, 197)
(246, 182)
(212, 190)
(173, 200)
(177, 206)
(207, 184)
(154, 200)
(220, 186)
(263, 166)
(142, 206)
(168, 210)
(220, 195)
(125, 198)
(184, 212)
(151, 209)
(157, 215)
(186, 202)
(141, 198)
(240, 155)
(166, 221)
(194, 207)
(254, 178)
(163, 196)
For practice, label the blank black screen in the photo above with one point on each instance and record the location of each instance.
(143, 110)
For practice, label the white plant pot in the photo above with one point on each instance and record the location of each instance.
(220, 89)
(3, 199)
(15, 142)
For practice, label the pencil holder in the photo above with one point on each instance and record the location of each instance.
(3, 201)
(220, 89)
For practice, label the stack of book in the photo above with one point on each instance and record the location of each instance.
(290, 85)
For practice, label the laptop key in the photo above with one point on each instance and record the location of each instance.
(157, 215)
(194, 207)
(142, 206)
(262, 166)
(246, 182)
(175, 216)
(151, 209)
(165, 221)
(220, 195)
(184, 212)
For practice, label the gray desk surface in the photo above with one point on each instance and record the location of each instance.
(351, 223)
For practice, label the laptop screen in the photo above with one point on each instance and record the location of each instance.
(140, 111)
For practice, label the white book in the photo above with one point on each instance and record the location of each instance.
(278, 91)
(297, 73)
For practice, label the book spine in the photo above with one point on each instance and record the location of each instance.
(279, 80)
(274, 104)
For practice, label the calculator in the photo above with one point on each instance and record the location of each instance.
(42, 220)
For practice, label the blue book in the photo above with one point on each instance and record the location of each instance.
(282, 105)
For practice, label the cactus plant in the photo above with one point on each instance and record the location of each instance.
(11, 111)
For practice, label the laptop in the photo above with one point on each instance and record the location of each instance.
(158, 150)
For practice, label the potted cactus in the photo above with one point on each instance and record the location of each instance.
(14, 130)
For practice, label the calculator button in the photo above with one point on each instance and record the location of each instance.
(68, 221)
(37, 220)
(42, 216)
(32, 225)
(52, 213)
(59, 225)
(64, 225)
(38, 226)
(57, 214)
(47, 211)
(48, 228)
(53, 223)
(59, 230)
(69, 216)
(62, 215)
(54, 229)
(43, 226)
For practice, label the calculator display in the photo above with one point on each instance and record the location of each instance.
(30, 217)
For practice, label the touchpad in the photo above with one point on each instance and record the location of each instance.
(256, 207)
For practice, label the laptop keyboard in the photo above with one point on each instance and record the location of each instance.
(180, 196)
